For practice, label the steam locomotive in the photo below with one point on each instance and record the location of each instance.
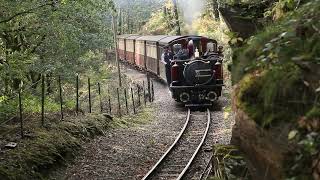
(196, 69)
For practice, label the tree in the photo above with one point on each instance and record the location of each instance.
(50, 36)
(176, 17)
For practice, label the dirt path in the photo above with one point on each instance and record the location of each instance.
(130, 152)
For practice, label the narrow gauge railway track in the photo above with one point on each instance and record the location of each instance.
(178, 158)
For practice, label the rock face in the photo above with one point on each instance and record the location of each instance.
(245, 27)
(264, 149)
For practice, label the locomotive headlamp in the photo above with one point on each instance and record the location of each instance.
(184, 97)
(212, 96)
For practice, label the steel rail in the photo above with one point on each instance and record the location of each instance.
(148, 175)
(198, 148)
(207, 170)
(183, 172)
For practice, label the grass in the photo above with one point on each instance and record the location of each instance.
(46, 148)
(129, 121)
(43, 148)
(228, 163)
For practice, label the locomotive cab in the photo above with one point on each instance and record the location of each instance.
(198, 79)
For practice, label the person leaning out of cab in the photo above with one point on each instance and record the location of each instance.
(166, 58)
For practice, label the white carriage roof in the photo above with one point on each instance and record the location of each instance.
(162, 39)
(133, 36)
(124, 36)
(169, 39)
(151, 38)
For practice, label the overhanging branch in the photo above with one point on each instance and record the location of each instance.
(25, 12)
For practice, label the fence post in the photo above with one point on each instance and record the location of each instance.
(100, 99)
(89, 89)
(144, 94)
(125, 96)
(119, 105)
(152, 90)
(42, 98)
(77, 94)
(149, 86)
(20, 114)
(133, 104)
(109, 100)
(61, 100)
(139, 102)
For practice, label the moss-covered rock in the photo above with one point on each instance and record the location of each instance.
(277, 75)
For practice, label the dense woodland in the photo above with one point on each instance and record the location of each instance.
(59, 37)
(271, 49)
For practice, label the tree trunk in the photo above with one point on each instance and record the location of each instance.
(215, 9)
(49, 80)
(119, 22)
(35, 78)
(128, 21)
(176, 17)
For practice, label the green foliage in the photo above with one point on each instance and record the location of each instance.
(133, 15)
(304, 157)
(49, 36)
(8, 108)
(163, 21)
(293, 39)
(269, 97)
(228, 163)
(278, 76)
(313, 113)
(283, 85)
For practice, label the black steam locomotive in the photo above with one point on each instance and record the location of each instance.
(196, 69)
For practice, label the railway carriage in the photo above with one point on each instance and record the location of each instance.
(131, 49)
(197, 77)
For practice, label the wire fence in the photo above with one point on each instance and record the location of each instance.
(58, 97)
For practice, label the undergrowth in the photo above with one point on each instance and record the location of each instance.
(277, 72)
(44, 148)
(229, 163)
(282, 57)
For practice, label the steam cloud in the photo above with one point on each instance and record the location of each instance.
(191, 9)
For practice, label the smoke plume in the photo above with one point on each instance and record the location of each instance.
(191, 9)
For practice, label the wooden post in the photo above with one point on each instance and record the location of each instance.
(119, 105)
(42, 99)
(139, 102)
(61, 100)
(109, 100)
(20, 114)
(133, 104)
(144, 94)
(99, 91)
(89, 89)
(77, 95)
(116, 48)
(149, 86)
(125, 96)
(152, 90)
